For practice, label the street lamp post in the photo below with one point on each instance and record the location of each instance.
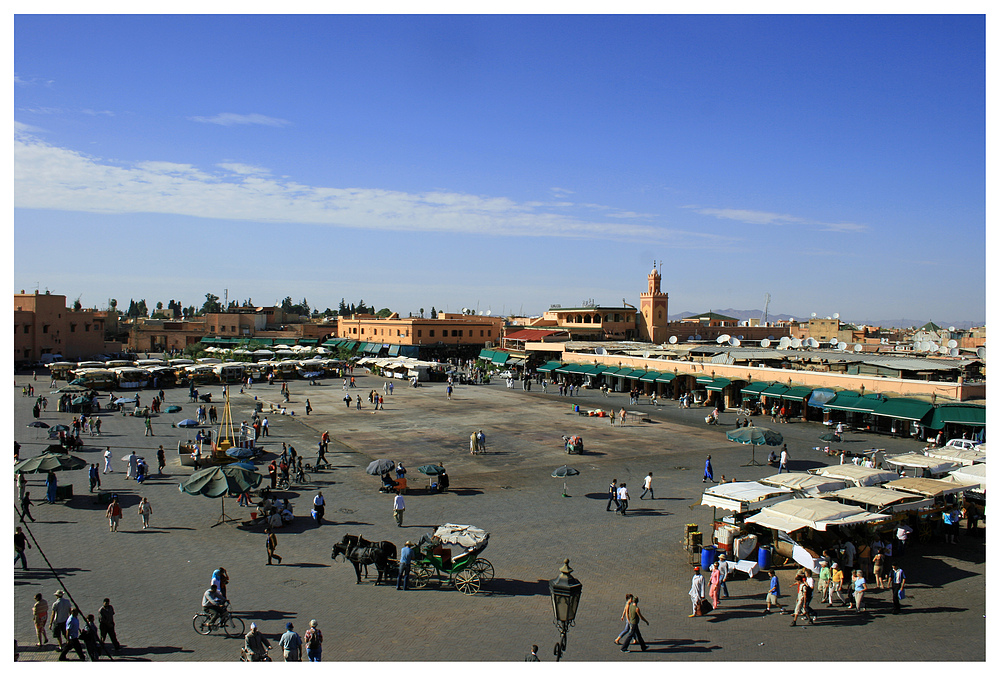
(565, 591)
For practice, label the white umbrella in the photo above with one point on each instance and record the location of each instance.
(263, 353)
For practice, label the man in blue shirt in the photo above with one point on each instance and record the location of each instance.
(73, 636)
(405, 557)
(773, 592)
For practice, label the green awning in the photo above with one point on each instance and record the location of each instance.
(636, 374)
(869, 402)
(852, 401)
(549, 366)
(754, 389)
(611, 372)
(331, 343)
(698, 376)
(774, 390)
(393, 350)
(351, 345)
(665, 377)
(594, 370)
(798, 393)
(649, 377)
(957, 414)
(575, 368)
(284, 341)
(486, 354)
(704, 380)
(500, 358)
(717, 384)
(308, 341)
(903, 409)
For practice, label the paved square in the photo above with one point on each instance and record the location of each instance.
(155, 578)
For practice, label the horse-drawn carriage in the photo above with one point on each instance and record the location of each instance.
(433, 559)
(466, 570)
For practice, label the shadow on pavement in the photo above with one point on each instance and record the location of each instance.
(681, 645)
(505, 587)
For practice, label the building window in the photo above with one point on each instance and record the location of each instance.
(86, 327)
(362, 331)
(45, 328)
(432, 333)
(481, 333)
(27, 328)
(233, 329)
(420, 333)
(490, 333)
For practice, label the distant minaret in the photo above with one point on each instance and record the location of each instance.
(653, 310)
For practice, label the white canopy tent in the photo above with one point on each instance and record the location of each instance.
(744, 496)
(856, 474)
(800, 482)
(813, 513)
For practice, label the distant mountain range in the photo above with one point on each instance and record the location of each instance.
(743, 315)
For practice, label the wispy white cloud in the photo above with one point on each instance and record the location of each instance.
(561, 192)
(22, 128)
(769, 218)
(230, 119)
(88, 111)
(242, 169)
(49, 177)
(30, 81)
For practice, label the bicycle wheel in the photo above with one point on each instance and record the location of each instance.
(304, 478)
(234, 626)
(484, 568)
(420, 576)
(467, 581)
(202, 624)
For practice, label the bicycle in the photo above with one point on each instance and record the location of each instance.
(247, 656)
(230, 624)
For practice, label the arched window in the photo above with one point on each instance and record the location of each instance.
(607, 317)
(579, 319)
(618, 317)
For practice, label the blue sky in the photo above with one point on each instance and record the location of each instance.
(505, 162)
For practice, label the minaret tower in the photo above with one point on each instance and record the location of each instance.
(653, 310)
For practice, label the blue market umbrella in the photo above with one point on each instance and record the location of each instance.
(755, 436)
(61, 428)
(245, 465)
(125, 400)
(241, 454)
(431, 470)
(187, 422)
(39, 424)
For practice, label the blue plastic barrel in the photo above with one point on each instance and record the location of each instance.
(576, 409)
(764, 558)
(707, 556)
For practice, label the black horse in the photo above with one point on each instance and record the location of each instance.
(361, 552)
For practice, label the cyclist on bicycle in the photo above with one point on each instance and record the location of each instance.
(299, 472)
(214, 603)
(255, 643)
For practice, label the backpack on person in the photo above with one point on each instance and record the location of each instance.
(312, 643)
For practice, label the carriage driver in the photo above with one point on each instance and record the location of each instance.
(214, 603)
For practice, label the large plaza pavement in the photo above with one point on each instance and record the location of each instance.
(155, 578)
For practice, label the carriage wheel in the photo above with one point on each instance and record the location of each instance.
(484, 568)
(420, 576)
(925, 532)
(467, 581)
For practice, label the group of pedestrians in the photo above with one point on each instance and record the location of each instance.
(71, 630)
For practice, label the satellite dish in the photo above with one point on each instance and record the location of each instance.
(489, 312)
(836, 315)
(697, 336)
(953, 352)
(765, 343)
(724, 338)
(857, 347)
(942, 350)
(735, 342)
(796, 343)
(740, 337)
(690, 338)
(812, 342)
(951, 329)
(672, 340)
(600, 351)
(645, 354)
(833, 342)
(841, 345)
(813, 315)
(465, 310)
(981, 353)
(952, 343)
(784, 342)
(480, 313)
(932, 346)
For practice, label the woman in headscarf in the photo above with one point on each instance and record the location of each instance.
(714, 583)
